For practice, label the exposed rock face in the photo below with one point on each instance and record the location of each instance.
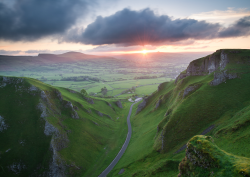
(75, 107)
(17, 167)
(204, 158)
(89, 100)
(168, 112)
(108, 116)
(220, 77)
(69, 105)
(109, 104)
(42, 108)
(160, 86)
(99, 113)
(190, 89)
(59, 95)
(119, 104)
(95, 123)
(141, 106)
(158, 104)
(206, 65)
(49, 129)
(3, 125)
(58, 141)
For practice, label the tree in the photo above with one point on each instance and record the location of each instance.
(84, 92)
(104, 91)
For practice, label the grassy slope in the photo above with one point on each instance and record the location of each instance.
(204, 158)
(91, 147)
(225, 105)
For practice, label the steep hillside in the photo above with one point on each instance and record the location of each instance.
(48, 131)
(204, 158)
(211, 97)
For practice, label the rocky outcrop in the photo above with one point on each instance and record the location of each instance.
(17, 167)
(59, 95)
(3, 125)
(99, 113)
(141, 106)
(204, 158)
(206, 65)
(119, 104)
(89, 100)
(189, 89)
(168, 112)
(220, 77)
(158, 103)
(68, 104)
(109, 104)
(108, 116)
(59, 140)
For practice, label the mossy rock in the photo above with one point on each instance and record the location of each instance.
(204, 158)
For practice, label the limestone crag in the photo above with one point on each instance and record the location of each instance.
(158, 103)
(220, 77)
(206, 65)
(17, 167)
(99, 113)
(143, 104)
(3, 125)
(58, 141)
(119, 104)
(89, 100)
(59, 95)
(68, 104)
(190, 89)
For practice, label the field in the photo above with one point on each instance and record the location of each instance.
(117, 75)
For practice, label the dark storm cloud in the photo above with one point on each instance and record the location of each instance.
(128, 27)
(240, 28)
(32, 19)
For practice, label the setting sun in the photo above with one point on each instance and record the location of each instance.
(144, 51)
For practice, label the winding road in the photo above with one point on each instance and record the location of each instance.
(124, 147)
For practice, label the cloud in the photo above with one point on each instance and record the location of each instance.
(223, 17)
(29, 20)
(143, 27)
(129, 28)
(115, 48)
(6, 52)
(238, 29)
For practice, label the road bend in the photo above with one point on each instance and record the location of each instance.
(124, 147)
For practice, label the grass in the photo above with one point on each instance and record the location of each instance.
(225, 105)
(210, 160)
(91, 147)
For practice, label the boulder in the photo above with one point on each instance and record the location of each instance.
(119, 104)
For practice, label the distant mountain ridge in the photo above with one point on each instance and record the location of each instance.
(15, 63)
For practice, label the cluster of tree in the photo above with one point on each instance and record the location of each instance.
(84, 92)
(104, 91)
(80, 78)
(129, 90)
(145, 77)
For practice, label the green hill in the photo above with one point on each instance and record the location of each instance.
(48, 131)
(210, 97)
(54, 131)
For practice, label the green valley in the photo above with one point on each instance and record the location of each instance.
(196, 123)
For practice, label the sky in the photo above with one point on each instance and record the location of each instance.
(29, 27)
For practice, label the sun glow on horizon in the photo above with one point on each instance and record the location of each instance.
(144, 52)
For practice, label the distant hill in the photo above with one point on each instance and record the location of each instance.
(178, 57)
(15, 63)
